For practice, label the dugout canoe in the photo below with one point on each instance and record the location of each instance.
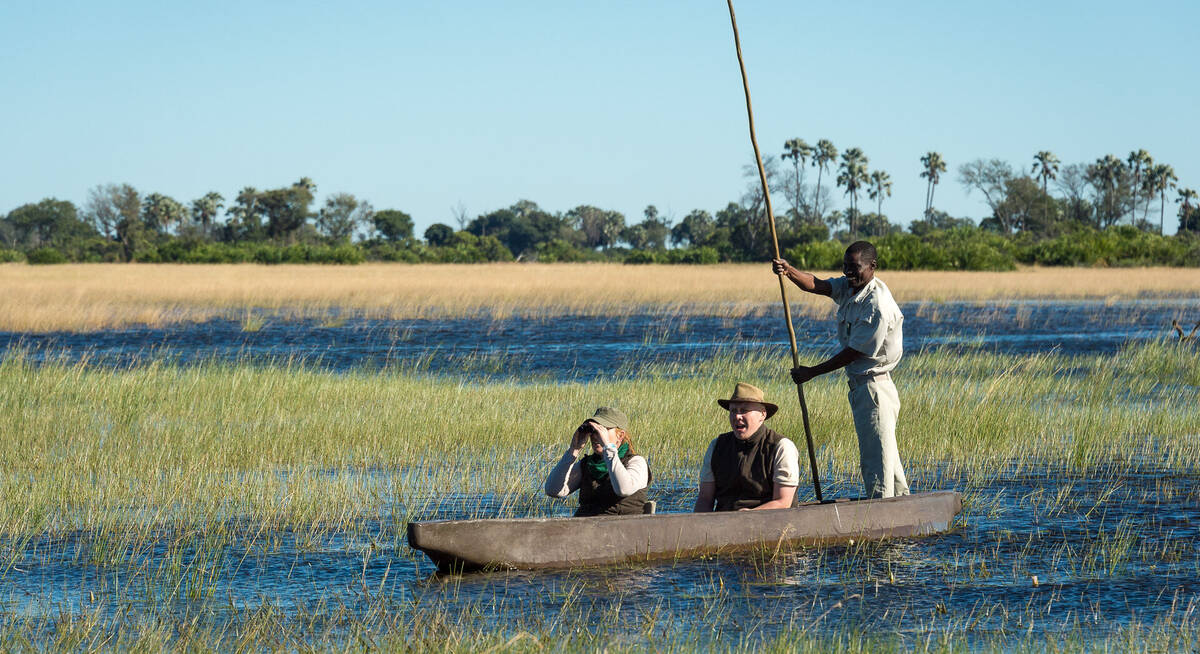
(536, 543)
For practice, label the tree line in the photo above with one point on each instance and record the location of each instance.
(1039, 216)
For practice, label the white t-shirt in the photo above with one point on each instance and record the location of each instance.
(869, 322)
(785, 467)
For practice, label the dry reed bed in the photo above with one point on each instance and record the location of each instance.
(85, 297)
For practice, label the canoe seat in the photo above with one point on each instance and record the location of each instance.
(648, 507)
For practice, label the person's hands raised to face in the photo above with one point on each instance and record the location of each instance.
(602, 437)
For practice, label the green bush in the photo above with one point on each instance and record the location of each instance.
(968, 248)
(465, 247)
(1122, 245)
(146, 253)
(694, 255)
(390, 252)
(11, 256)
(43, 256)
(641, 256)
(909, 252)
(99, 250)
(560, 251)
(822, 255)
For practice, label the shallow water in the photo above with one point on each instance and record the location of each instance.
(575, 347)
(1109, 549)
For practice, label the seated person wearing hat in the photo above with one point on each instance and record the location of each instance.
(751, 467)
(612, 480)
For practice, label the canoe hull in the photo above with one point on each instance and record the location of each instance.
(535, 543)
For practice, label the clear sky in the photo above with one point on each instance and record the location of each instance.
(424, 106)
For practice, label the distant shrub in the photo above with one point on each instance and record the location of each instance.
(218, 253)
(146, 253)
(968, 248)
(909, 252)
(11, 256)
(42, 256)
(820, 255)
(1123, 245)
(390, 252)
(99, 250)
(694, 255)
(560, 251)
(641, 256)
(466, 247)
(346, 254)
(1188, 245)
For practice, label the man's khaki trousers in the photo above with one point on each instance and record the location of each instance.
(875, 406)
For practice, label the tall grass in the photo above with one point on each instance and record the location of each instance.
(84, 297)
(91, 448)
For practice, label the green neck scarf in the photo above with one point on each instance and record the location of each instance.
(595, 465)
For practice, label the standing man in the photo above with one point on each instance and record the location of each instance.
(751, 467)
(869, 330)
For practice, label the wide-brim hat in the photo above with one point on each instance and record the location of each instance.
(744, 392)
(607, 416)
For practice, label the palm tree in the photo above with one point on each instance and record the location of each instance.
(1106, 174)
(881, 186)
(853, 175)
(824, 155)
(1160, 179)
(1045, 166)
(206, 208)
(934, 167)
(1186, 196)
(1139, 163)
(798, 151)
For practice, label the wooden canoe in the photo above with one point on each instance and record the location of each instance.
(532, 543)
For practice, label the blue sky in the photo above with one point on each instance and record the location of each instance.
(424, 106)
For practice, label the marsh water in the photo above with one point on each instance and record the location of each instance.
(1054, 554)
(1108, 551)
(582, 347)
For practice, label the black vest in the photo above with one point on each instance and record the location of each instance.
(744, 469)
(597, 497)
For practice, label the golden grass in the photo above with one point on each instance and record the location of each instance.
(85, 297)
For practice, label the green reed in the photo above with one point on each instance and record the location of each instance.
(211, 464)
(287, 445)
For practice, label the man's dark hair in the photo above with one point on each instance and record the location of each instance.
(864, 248)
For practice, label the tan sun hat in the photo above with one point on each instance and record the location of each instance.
(744, 392)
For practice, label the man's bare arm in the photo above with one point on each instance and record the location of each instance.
(806, 281)
(836, 362)
(704, 500)
(782, 499)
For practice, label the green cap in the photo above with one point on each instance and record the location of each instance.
(607, 416)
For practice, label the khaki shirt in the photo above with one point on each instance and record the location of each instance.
(869, 322)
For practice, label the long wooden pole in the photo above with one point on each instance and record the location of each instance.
(787, 311)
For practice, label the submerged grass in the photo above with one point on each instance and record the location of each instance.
(90, 448)
(159, 485)
(86, 297)
(265, 629)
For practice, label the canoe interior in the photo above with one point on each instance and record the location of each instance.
(537, 543)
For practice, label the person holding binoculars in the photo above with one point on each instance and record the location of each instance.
(612, 478)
